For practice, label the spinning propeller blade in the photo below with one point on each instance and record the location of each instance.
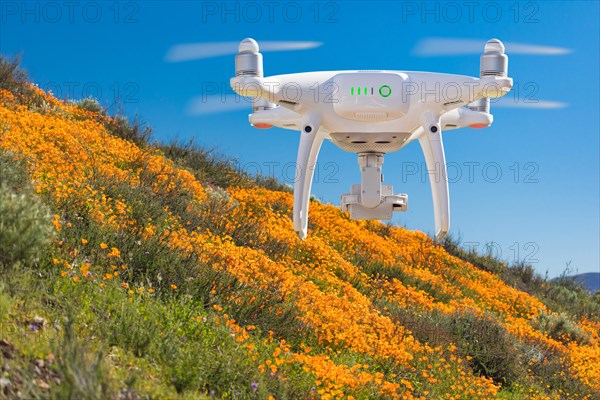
(430, 47)
(197, 51)
(529, 104)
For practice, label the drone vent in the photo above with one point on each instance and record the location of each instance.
(371, 116)
(370, 142)
(288, 102)
(493, 73)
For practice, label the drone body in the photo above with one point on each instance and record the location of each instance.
(371, 113)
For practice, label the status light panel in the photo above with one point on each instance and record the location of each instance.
(370, 92)
(383, 91)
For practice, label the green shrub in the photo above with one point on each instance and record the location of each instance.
(559, 327)
(90, 104)
(202, 357)
(135, 131)
(429, 327)
(486, 262)
(25, 224)
(130, 327)
(13, 173)
(5, 303)
(25, 229)
(563, 295)
(83, 373)
(552, 372)
(490, 346)
(12, 77)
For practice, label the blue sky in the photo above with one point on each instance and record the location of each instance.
(525, 188)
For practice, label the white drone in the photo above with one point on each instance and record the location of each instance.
(371, 113)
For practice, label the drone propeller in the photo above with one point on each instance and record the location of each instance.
(197, 51)
(218, 103)
(452, 47)
(529, 104)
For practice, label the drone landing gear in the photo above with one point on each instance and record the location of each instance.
(311, 139)
(371, 199)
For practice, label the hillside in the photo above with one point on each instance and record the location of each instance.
(133, 270)
(590, 280)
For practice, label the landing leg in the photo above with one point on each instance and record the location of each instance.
(308, 150)
(433, 150)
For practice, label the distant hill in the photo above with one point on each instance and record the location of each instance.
(589, 280)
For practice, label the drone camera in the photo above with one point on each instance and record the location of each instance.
(371, 199)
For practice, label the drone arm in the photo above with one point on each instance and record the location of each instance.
(433, 150)
(311, 139)
(279, 116)
(251, 86)
(462, 117)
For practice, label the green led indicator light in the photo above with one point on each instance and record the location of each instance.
(385, 91)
